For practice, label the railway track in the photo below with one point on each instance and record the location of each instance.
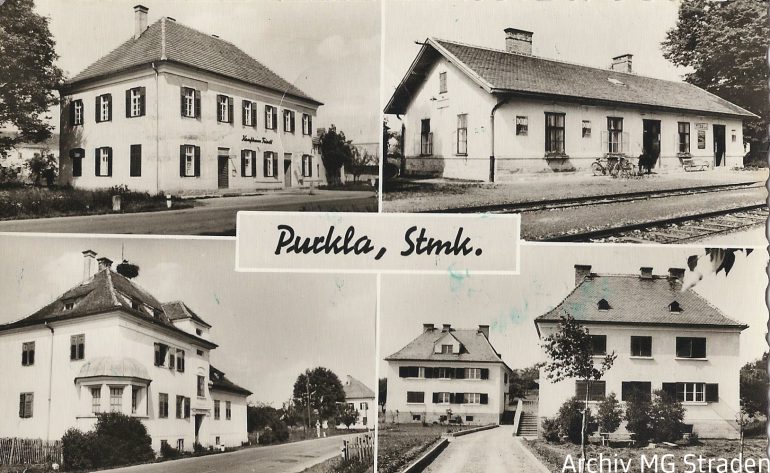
(675, 230)
(550, 204)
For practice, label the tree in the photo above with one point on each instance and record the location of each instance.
(319, 390)
(347, 415)
(725, 43)
(609, 413)
(571, 417)
(570, 357)
(336, 151)
(382, 387)
(42, 165)
(753, 385)
(719, 259)
(666, 417)
(638, 417)
(28, 76)
(260, 416)
(359, 161)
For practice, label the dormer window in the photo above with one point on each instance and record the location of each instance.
(675, 307)
(603, 305)
(69, 305)
(446, 349)
(136, 305)
(198, 332)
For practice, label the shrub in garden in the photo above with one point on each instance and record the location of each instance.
(638, 417)
(609, 414)
(77, 449)
(570, 419)
(168, 452)
(666, 417)
(550, 430)
(123, 439)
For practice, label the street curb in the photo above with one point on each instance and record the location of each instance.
(469, 431)
(540, 467)
(427, 457)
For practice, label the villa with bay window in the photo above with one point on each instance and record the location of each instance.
(107, 345)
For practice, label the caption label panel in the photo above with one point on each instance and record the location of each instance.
(377, 243)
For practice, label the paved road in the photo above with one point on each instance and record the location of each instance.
(214, 216)
(287, 458)
(489, 451)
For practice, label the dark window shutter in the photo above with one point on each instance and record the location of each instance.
(72, 113)
(274, 119)
(182, 93)
(230, 110)
(669, 388)
(243, 112)
(451, 398)
(310, 166)
(459, 398)
(73, 350)
(219, 115)
(136, 161)
(429, 372)
(109, 161)
(712, 392)
(109, 107)
(197, 161)
(309, 125)
(24, 360)
(265, 171)
(435, 398)
(460, 373)
(254, 114)
(484, 398)
(267, 117)
(243, 163)
(21, 405)
(254, 164)
(97, 163)
(181, 161)
(275, 165)
(97, 115)
(32, 354)
(128, 103)
(142, 100)
(291, 117)
(197, 104)
(403, 371)
(484, 373)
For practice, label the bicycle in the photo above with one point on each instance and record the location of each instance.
(604, 166)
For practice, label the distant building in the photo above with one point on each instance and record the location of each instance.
(107, 345)
(473, 112)
(361, 398)
(178, 111)
(448, 374)
(664, 338)
(23, 152)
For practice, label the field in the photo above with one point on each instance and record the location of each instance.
(399, 444)
(553, 456)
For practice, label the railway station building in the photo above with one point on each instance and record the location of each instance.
(177, 111)
(472, 112)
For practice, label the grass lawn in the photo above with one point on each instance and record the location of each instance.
(553, 455)
(21, 202)
(399, 444)
(336, 465)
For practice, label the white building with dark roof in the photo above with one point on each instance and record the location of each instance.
(361, 398)
(474, 112)
(178, 111)
(107, 345)
(664, 338)
(447, 374)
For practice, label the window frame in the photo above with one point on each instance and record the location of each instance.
(615, 130)
(135, 160)
(135, 99)
(104, 107)
(78, 343)
(271, 113)
(426, 138)
(189, 161)
(442, 85)
(471, 398)
(77, 112)
(462, 134)
(26, 405)
(163, 405)
(585, 129)
(201, 387)
(228, 410)
(691, 348)
(217, 409)
(594, 338)
(472, 373)
(683, 133)
(552, 136)
(594, 395)
(189, 96)
(307, 125)
(114, 397)
(645, 347)
(521, 124)
(28, 353)
(224, 108)
(443, 395)
(268, 163)
(418, 395)
(96, 399)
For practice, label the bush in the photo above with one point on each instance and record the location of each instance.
(609, 414)
(198, 448)
(666, 418)
(77, 450)
(168, 452)
(550, 430)
(117, 440)
(570, 419)
(638, 417)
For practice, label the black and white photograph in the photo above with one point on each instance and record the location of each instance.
(490, 374)
(167, 117)
(128, 351)
(597, 121)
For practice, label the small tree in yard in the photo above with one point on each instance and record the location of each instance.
(638, 417)
(336, 151)
(347, 415)
(42, 165)
(609, 413)
(570, 357)
(666, 417)
(571, 416)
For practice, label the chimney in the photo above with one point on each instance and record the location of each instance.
(88, 264)
(104, 263)
(484, 329)
(446, 328)
(518, 41)
(581, 272)
(427, 327)
(676, 273)
(645, 272)
(622, 63)
(140, 20)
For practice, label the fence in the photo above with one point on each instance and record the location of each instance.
(15, 451)
(360, 447)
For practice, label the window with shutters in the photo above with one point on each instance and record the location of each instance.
(135, 102)
(270, 164)
(189, 161)
(247, 110)
(690, 347)
(363, 406)
(443, 373)
(270, 117)
(642, 389)
(411, 372)
(598, 345)
(442, 82)
(188, 102)
(615, 134)
(77, 112)
(691, 392)
(641, 346)
(441, 398)
(161, 350)
(104, 108)
(598, 390)
(462, 134)
(415, 397)
(27, 353)
(201, 386)
(104, 162)
(473, 373)
(247, 163)
(25, 405)
(307, 125)
(554, 133)
(171, 360)
(224, 109)
(96, 399)
(163, 405)
(77, 347)
(179, 407)
(471, 398)
(522, 126)
(180, 445)
(426, 138)
(307, 165)
(135, 165)
(180, 361)
(116, 399)
(288, 121)
(216, 410)
(228, 410)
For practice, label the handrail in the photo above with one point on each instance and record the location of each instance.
(517, 417)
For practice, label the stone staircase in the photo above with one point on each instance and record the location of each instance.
(528, 425)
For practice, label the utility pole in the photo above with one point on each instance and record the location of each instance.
(307, 384)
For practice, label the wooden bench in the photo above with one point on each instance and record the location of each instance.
(690, 164)
(612, 438)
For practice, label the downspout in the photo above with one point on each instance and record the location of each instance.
(157, 133)
(50, 381)
(499, 103)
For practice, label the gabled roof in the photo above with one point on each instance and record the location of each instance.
(476, 347)
(105, 291)
(355, 389)
(638, 301)
(169, 41)
(502, 72)
(178, 310)
(220, 382)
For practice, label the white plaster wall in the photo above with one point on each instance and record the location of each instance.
(232, 433)
(370, 413)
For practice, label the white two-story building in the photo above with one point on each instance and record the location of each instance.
(361, 398)
(446, 374)
(174, 110)
(107, 345)
(664, 338)
(474, 112)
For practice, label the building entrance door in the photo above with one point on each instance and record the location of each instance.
(719, 145)
(650, 144)
(223, 179)
(198, 422)
(287, 170)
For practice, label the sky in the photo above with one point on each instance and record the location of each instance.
(509, 304)
(269, 327)
(330, 50)
(588, 32)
